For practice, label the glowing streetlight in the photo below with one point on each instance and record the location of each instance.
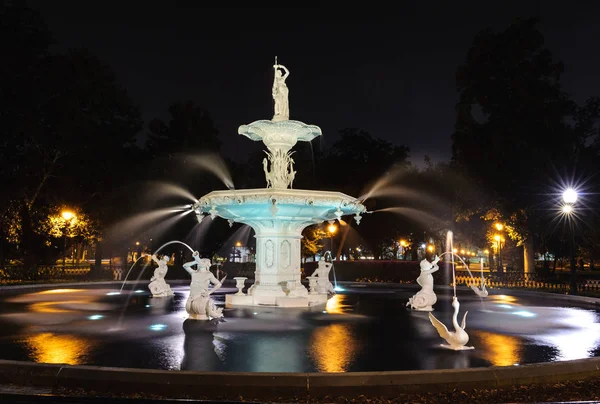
(498, 239)
(430, 248)
(332, 228)
(403, 245)
(238, 244)
(569, 196)
(69, 218)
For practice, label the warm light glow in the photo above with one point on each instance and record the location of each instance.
(486, 251)
(54, 348)
(497, 237)
(570, 196)
(333, 347)
(67, 214)
(238, 244)
(332, 228)
(53, 291)
(335, 305)
(137, 243)
(499, 226)
(504, 298)
(567, 209)
(502, 350)
(455, 251)
(462, 252)
(430, 248)
(403, 243)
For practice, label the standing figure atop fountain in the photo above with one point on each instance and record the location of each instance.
(426, 297)
(199, 304)
(281, 93)
(322, 275)
(157, 285)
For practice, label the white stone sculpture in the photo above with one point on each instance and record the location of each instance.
(425, 298)
(157, 285)
(281, 93)
(199, 305)
(322, 276)
(458, 338)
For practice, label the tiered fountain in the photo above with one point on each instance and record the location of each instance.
(278, 213)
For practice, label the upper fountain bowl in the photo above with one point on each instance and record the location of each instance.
(290, 205)
(280, 134)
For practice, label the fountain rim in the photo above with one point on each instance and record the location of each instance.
(300, 130)
(266, 385)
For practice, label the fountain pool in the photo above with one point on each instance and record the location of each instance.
(365, 328)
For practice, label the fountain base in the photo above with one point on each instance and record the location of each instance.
(258, 299)
(457, 348)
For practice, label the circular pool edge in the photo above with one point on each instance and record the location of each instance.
(112, 381)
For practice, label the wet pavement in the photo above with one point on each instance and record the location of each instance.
(362, 328)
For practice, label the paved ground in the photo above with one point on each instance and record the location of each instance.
(585, 391)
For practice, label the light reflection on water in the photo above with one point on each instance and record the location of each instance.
(501, 350)
(55, 348)
(334, 347)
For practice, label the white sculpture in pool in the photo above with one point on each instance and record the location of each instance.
(321, 274)
(277, 213)
(158, 286)
(458, 338)
(199, 305)
(425, 298)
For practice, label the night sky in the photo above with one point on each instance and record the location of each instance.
(388, 71)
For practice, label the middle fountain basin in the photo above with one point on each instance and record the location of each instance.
(278, 217)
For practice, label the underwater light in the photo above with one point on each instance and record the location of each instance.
(524, 313)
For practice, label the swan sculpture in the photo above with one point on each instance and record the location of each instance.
(456, 339)
(480, 292)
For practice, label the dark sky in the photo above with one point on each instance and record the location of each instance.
(389, 71)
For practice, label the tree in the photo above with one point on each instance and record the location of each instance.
(190, 130)
(67, 130)
(511, 130)
(360, 159)
(310, 240)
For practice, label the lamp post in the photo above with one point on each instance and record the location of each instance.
(569, 198)
(68, 216)
(332, 228)
(403, 246)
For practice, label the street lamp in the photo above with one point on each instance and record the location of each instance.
(403, 245)
(498, 239)
(332, 228)
(68, 216)
(569, 198)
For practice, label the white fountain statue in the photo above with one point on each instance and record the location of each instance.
(458, 338)
(321, 274)
(277, 213)
(199, 305)
(425, 298)
(158, 286)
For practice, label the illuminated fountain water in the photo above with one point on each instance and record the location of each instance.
(278, 213)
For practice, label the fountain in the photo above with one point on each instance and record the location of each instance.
(278, 213)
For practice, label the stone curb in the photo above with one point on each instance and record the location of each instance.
(265, 386)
